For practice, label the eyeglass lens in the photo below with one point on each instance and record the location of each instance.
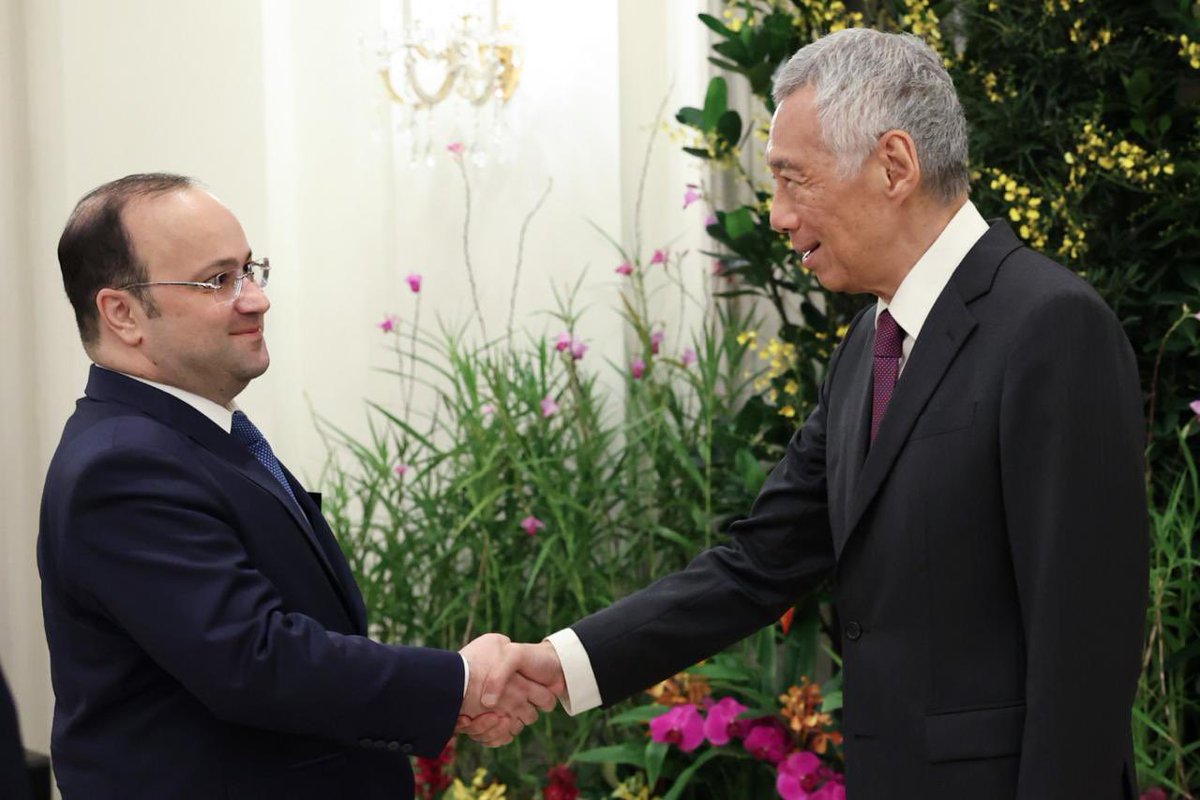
(230, 283)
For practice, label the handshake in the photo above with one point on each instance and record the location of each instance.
(508, 683)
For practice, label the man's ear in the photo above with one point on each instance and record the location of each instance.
(898, 153)
(117, 313)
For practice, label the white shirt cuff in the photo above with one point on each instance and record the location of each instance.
(582, 692)
(466, 675)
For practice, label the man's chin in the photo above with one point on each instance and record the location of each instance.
(253, 370)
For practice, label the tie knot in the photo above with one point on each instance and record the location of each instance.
(245, 431)
(888, 337)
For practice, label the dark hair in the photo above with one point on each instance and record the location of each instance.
(94, 251)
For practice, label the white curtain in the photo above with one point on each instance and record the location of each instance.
(275, 106)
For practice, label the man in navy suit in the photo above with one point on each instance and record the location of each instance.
(971, 477)
(206, 635)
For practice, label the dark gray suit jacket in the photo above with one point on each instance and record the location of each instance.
(989, 550)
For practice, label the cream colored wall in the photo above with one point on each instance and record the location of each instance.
(272, 103)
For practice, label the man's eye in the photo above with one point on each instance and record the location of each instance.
(221, 278)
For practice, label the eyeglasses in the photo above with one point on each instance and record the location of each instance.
(225, 286)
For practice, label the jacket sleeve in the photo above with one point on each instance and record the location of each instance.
(1071, 439)
(147, 543)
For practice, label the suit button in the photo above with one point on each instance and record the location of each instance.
(407, 749)
(364, 742)
(853, 631)
(393, 746)
(380, 744)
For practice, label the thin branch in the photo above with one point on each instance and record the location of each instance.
(512, 303)
(466, 242)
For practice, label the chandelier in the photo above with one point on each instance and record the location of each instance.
(448, 79)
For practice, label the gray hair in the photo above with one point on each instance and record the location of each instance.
(868, 82)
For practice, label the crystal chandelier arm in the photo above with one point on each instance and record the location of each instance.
(453, 69)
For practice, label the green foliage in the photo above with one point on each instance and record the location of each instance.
(1168, 754)
(628, 488)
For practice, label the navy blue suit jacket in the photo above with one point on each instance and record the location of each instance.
(206, 636)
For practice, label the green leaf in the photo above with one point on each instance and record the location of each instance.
(715, 103)
(692, 117)
(739, 222)
(722, 672)
(729, 127)
(656, 754)
(751, 472)
(632, 753)
(639, 714)
(716, 25)
(686, 776)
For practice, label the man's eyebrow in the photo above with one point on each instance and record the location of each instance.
(222, 264)
(777, 163)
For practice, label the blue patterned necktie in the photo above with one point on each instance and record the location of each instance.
(245, 432)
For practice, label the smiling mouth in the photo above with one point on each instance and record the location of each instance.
(804, 254)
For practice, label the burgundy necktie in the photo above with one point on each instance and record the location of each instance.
(888, 338)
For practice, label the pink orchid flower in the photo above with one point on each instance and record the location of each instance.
(796, 777)
(688, 358)
(637, 369)
(766, 743)
(625, 269)
(487, 410)
(1195, 407)
(710, 220)
(578, 349)
(659, 257)
(691, 194)
(719, 727)
(531, 525)
(682, 725)
(414, 282)
(401, 470)
(549, 407)
(456, 148)
(389, 323)
(830, 791)
(564, 341)
(656, 339)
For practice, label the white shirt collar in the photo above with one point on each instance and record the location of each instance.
(219, 414)
(923, 285)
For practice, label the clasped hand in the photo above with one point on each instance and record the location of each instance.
(508, 684)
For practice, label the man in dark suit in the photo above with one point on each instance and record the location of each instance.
(971, 477)
(206, 636)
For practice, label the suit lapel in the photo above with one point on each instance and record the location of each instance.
(943, 335)
(853, 423)
(109, 386)
(947, 329)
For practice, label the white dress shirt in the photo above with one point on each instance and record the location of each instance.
(222, 416)
(910, 308)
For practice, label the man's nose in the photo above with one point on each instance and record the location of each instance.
(252, 300)
(783, 215)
